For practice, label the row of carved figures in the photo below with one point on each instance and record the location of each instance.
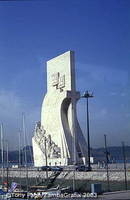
(45, 142)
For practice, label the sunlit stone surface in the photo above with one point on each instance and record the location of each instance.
(59, 130)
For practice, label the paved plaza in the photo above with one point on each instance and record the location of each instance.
(122, 195)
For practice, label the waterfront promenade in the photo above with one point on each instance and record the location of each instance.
(116, 173)
(83, 180)
(121, 195)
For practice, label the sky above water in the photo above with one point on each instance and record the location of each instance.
(32, 32)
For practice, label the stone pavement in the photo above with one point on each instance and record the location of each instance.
(122, 195)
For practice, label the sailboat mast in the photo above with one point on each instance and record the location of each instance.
(20, 157)
(25, 153)
(7, 152)
(19, 149)
(2, 152)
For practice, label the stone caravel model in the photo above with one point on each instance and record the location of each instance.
(58, 139)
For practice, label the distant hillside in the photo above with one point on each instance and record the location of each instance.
(14, 155)
(115, 154)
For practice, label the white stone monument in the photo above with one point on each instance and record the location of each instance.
(58, 139)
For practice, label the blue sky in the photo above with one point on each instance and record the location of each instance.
(32, 32)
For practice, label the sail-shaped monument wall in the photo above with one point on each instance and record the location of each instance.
(58, 139)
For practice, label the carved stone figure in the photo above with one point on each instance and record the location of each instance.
(40, 137)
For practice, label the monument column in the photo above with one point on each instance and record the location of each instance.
(65, 141)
